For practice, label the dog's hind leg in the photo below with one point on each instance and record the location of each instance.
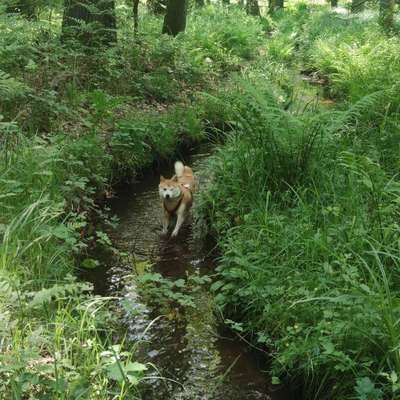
(180, 218)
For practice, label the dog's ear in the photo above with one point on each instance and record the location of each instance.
(174, 178)
(162, 179)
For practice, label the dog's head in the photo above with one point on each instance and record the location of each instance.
(169, 188)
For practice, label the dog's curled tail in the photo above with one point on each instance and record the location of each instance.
(179, 169)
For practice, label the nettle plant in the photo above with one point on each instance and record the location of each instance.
(167, 292)
(72, 356)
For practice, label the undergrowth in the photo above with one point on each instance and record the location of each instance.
(304, 200)
(304, 203)
(72, 124)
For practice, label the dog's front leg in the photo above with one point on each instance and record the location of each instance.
(180, 218)
(165, 222)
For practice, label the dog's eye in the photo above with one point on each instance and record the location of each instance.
(165, 188)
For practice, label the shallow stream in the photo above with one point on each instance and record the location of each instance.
(194, 359)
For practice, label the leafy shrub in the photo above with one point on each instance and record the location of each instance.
(268, 150)
(309, 266)
(356, 67)
(300, 279)
(285, 38)
(280, 49)
(16, 42)
(51, 326)
(352, 52)
(215, 29)
(69, 126)
(70, 356)
(141, 140)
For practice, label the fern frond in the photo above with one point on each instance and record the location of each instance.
(371, 106)
(11, 88)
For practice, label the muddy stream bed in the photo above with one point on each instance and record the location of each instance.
(194, 359)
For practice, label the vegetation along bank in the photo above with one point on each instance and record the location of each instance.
(303, 200)
(304, 203)
(74, 122)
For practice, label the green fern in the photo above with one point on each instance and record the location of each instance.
(372, 107)
(10, 88)
(58, 292)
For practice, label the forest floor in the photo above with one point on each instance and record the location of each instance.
(74, 125)
(302, 196)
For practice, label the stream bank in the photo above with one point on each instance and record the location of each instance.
(165, 303)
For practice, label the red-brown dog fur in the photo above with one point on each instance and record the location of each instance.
(177, 196)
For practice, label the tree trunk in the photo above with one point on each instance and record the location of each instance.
(91, 22)
(25, 7)
(334, 3)
(175, 18)
(274, 5)
(135, 16)
(386, 14)
(357, 6)
(252, 8)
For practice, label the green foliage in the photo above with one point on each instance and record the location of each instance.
(10, 87)
(143, 139)
(304, 205)
(167, 293)
(351, 51)
(287, 33)
(220, 32)
(72, 122)
(366, 390)
(120, 368)
(62, 358)
(305, 202)
(299, 277)
(268, 150)
(52, 327)
(357, 66)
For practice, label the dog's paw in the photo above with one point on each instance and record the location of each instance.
(174, 234)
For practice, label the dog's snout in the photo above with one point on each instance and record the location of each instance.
(167, 196)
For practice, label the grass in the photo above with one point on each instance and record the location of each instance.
(54, 331)
(304, 199)
(303, 202)
(72, 125)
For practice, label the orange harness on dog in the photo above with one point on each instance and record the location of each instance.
(179, 202)
(176, 207)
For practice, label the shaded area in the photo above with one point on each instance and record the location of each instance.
(193, 359)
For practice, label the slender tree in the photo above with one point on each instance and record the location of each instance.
(91, 22)
(386, 13)
(175, 18)
(252, 8)
(135, 16)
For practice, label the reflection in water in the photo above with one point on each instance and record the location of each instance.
(193, 362)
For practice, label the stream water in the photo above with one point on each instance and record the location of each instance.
(194, 359)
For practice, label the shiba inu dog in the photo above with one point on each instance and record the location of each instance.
(177, 196)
